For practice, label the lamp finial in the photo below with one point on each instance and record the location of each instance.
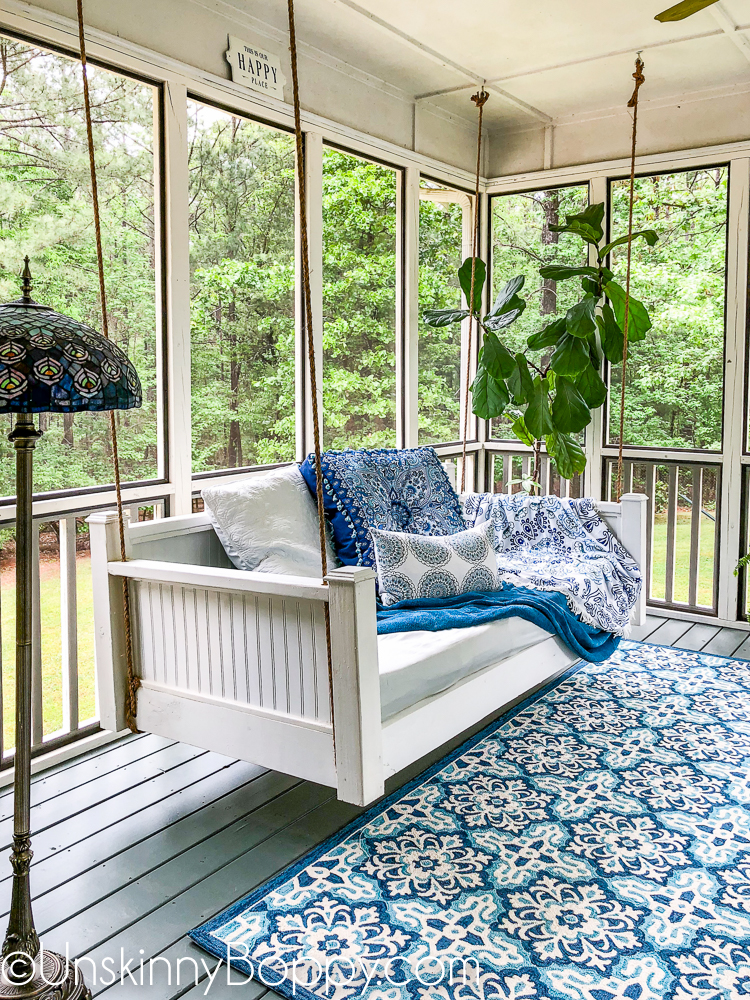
(26, 276)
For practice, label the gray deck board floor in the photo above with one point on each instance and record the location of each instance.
(139, 841)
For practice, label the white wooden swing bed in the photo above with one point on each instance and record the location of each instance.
(235, 661)
(289, 672)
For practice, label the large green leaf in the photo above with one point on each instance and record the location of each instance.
(571, 356)
(496, 358)
(649, 235)
(640, 321)
(559, 272)
(594, 353)
(507, 293)
(520, 382)
(590, 385)
(683, 9)
(579, 319)
(520, 429)
(464, 279)
(509, 315)
(547, 337)
(444, 317)
(489, 395)
(586, 224)
(567, 454)
(569, 410)
(537, 417)
(611, 335)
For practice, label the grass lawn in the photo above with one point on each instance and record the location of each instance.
(51, 654)
(682, 559)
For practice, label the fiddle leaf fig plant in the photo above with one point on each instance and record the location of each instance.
(550, 389)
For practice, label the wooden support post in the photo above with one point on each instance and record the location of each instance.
(407, 312)
(178, 384)
(357, 726)
(314, 193)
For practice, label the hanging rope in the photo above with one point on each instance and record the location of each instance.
(640, 79)
(134, 682)
(480, 100)
(307, 330)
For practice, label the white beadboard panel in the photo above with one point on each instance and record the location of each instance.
(253, 649)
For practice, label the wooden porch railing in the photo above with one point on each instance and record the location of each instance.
(56, 694)
(683, 529)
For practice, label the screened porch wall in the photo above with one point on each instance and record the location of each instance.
(691, 559)
(492, 462)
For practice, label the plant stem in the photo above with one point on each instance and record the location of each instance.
(537, 464)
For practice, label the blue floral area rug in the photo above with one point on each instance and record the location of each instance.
(592, 845)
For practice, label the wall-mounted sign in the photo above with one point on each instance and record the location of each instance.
(255, 67)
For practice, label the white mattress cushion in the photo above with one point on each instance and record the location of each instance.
(417, 665)
(268, 523)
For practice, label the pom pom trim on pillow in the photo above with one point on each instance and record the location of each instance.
(412, 567)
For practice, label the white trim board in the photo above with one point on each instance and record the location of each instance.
(682, 159)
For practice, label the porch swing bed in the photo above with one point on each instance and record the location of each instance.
(235, 661)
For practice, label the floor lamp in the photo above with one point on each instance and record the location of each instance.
(49, 363)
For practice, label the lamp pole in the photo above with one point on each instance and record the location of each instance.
(26, 972)
(21, 939)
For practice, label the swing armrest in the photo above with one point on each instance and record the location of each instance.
(213, 578)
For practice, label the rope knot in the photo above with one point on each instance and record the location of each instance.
(481, 98)
(640, 79)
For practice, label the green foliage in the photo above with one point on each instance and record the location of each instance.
(359, 303)
(242, 292)
(46, 212)
(439, 367)
(565, 388)
(675, 376)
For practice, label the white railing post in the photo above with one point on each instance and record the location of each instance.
(69, 623)
(633, 537)
(357, 725)
(109, 644)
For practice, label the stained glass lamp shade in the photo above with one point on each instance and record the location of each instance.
(50, 363)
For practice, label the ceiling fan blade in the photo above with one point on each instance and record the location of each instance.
(683, 9)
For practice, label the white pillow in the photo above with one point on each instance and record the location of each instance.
(268, 523)
(422, 566)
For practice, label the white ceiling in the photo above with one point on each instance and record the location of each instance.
(542, 59)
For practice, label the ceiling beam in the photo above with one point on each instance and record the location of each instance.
(730, 29)
(536, 71)
(413, 43)
(522, 105)
(441, 60)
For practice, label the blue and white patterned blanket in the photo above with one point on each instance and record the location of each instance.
(551, 544)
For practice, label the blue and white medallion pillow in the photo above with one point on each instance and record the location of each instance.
(434, 566)
(392, 489)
